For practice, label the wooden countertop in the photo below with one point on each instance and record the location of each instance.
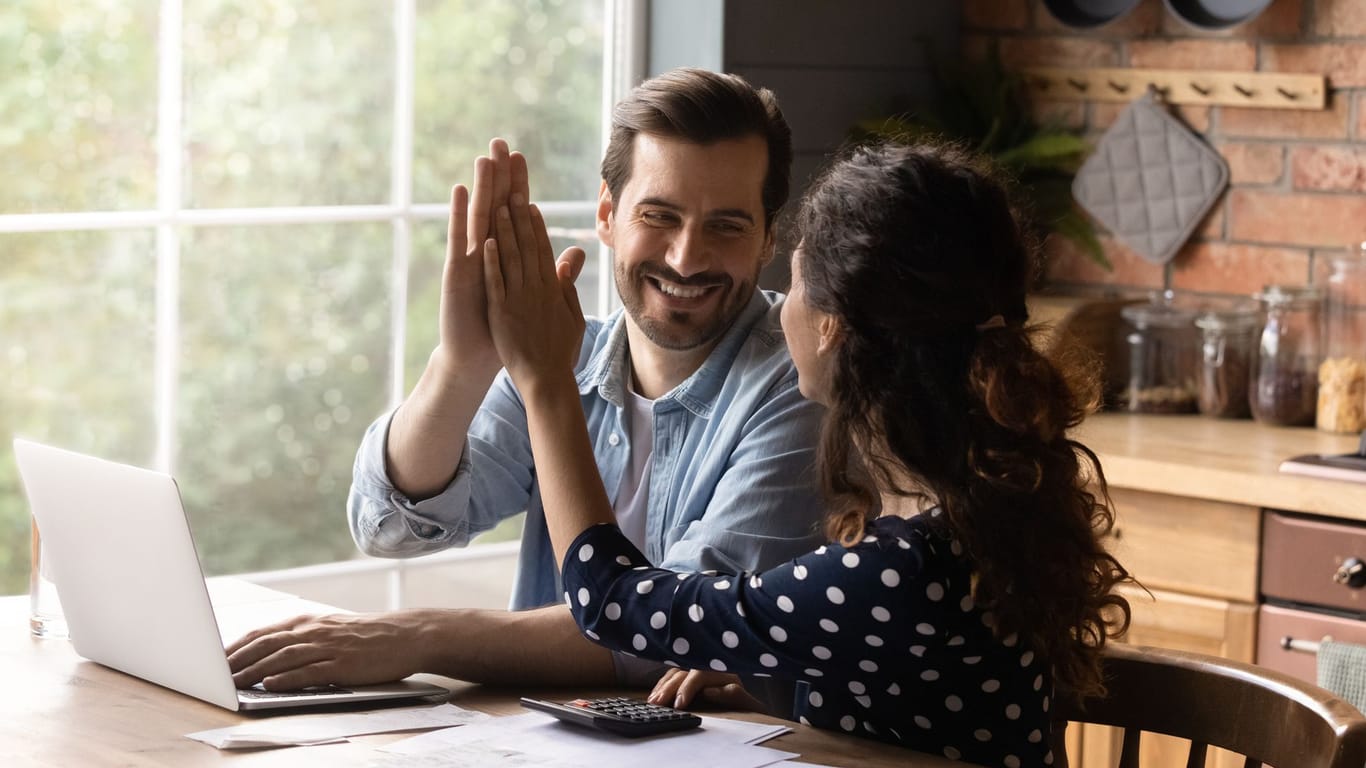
(1222, 460)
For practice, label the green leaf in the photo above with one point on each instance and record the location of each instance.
(1044, 151)
(982, 105)
(1079, 229)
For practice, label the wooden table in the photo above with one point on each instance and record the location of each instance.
(59, 710)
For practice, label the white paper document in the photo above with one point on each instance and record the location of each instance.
(303, 730)
(544, 741)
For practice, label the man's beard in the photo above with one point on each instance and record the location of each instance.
(682, 330)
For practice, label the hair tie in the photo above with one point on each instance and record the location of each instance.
(996, 321)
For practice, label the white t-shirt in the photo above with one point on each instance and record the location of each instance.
(633, 495)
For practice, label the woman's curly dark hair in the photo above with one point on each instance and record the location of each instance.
(917, 251)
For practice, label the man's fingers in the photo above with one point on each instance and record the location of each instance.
(502, 173)
(519, 177)
(318, 673)
(270, 629)
(457, 232)
(481, 203)
(291, 655)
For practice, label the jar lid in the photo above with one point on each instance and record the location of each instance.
(1298, 295)
(1161, 315)
(1231, 316)
(1350, 258)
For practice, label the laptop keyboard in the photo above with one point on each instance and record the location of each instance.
(261, 693)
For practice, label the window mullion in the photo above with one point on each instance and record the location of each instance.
(170, 105)
(401, 187)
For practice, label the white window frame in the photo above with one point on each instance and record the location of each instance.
(623, 66)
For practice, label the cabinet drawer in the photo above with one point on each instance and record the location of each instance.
(1275, 622)
(1205, 625)
(1187, 545)
(1300, 556)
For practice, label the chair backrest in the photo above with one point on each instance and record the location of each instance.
(1268, 717)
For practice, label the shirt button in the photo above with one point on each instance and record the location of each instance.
(614, 439)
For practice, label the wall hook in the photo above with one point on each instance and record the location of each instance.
(1268, 90)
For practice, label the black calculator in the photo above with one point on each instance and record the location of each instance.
(619, 714)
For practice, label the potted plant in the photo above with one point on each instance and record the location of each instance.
(983, 106)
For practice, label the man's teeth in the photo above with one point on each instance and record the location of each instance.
(680, 291)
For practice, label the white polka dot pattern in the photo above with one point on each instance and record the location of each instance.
(883, 636)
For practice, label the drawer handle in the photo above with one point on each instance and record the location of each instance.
(1303, 646)
(1352, 573)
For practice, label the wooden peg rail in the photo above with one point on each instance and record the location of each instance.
(1271, 90)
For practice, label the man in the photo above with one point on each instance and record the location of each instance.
(690, 396)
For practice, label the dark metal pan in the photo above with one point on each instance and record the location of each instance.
(1216, 14)
(1085, 14)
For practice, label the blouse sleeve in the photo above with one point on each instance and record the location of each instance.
(830, 609)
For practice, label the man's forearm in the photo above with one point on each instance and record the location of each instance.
(536, 647)
(427, 434)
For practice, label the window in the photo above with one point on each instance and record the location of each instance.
(223, 225)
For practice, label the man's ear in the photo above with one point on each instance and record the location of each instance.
(605, 219)
(770, 246)
(831, 334)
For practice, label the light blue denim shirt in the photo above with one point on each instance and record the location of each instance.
(733, 478)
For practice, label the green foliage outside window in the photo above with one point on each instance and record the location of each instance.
(285, 332)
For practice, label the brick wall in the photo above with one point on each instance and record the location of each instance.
(1297, 178)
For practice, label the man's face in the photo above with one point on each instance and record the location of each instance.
(689, 236)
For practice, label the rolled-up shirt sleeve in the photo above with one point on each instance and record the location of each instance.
(385, 522)
(493, 481)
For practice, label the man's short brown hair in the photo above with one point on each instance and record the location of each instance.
(702, 107)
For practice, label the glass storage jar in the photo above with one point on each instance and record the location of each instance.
(1284, 390)
(1163, 356)
(1228, 347)
(1342, 374)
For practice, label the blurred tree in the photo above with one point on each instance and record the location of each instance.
(285, 330)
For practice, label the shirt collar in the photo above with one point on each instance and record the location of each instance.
(607, 370)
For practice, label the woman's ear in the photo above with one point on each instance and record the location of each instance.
(831, 334)
(604, 220)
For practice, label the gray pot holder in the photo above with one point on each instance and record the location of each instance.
(1150, 180)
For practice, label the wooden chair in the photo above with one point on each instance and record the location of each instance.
(1268, 717)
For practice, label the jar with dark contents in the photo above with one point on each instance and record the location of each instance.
(1163, 357)
(1284, 390)
(1228, 348)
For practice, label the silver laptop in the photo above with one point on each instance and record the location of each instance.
(131, 585)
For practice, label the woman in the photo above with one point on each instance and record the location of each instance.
(965, 575)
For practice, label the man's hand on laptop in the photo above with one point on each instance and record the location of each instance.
(340, 649)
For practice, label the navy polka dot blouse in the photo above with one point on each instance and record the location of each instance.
(882, 638)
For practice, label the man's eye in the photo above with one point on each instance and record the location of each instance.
(657, 218)
(729, 228)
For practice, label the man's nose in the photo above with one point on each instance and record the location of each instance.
(687, 253)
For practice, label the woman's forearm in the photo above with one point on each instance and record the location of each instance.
(571, 488)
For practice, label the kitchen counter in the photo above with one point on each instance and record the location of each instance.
(1221, 460)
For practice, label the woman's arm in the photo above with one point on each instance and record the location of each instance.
(537, 327)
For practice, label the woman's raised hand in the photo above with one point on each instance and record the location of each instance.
(533, 308)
